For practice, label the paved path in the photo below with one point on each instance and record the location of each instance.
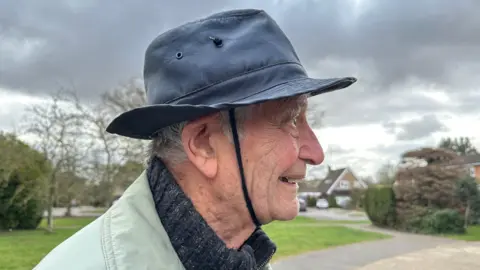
(459, 256)
(389, 254)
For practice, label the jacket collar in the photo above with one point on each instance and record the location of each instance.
(132, 234)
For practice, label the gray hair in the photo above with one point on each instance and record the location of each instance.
(167, 144)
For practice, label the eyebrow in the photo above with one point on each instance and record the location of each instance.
(292, 107)
(299, 103)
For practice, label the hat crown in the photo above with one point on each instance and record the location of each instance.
(186, 65)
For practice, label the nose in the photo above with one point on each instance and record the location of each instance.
(310, 149)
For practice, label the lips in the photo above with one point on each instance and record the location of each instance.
(291, 180)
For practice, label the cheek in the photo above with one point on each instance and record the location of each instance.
(268, 157)
(272, 163)
(288, 152)
(279, 156)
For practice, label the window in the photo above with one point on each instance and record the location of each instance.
(343, 184)
(472, 171)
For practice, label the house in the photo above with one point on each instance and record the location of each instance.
(339, 183)
(473, 165)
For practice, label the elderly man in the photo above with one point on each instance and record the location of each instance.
(226, 116)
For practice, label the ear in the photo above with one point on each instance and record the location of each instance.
(199, 144)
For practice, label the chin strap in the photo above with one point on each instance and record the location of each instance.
(236, 142)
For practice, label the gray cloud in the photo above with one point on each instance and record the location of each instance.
(391, 46)
(416, 129)
(399, 39)
(394, 151)
(91, 44)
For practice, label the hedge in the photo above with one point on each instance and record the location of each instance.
(379, 204)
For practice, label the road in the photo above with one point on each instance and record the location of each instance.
(402, 251)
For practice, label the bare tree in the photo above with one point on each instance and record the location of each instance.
(106, 150)
(126, 97)
(70, 183)
(386, 174)
(56, 127)
(72, 135)
(110, 152)
(463, 146)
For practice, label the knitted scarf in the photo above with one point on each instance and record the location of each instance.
(196, 244)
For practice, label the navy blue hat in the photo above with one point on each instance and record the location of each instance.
(229, 59)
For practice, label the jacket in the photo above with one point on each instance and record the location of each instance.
(128, 236)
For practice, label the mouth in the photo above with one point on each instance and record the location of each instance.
(290, 180)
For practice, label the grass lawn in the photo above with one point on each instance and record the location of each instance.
(473, 234)
(95, 211)
(291, 240)
(73, 222)
(21, 250)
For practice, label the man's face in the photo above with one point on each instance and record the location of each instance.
(277, 144)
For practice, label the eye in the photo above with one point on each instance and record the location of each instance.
(294, 120)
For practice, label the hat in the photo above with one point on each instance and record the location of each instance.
(227, 60)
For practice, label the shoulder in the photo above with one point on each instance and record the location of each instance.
(81, 251)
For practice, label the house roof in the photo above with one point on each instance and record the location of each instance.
(309, 186)
(471, 159)
(321, 185)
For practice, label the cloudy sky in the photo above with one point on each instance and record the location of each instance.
(417, 61)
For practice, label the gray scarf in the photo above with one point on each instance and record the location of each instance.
(196, 244)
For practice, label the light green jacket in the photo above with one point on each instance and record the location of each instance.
(129, 236)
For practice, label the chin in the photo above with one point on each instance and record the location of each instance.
(287, 213)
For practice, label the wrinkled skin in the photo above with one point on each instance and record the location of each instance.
(275, 148)
(276, 141)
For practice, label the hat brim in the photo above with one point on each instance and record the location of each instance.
(144, 122)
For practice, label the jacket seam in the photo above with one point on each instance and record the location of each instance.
(107, 241)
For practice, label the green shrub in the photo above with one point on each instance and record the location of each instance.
(311, 201)
(31, 216)
(475, 215)
(22, 184)
(468, 194)
(445, 221)
(332, 202)
(379, 204)
(21, 203)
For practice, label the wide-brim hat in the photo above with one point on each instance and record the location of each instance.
(227, 60)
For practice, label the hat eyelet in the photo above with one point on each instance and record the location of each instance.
(217, 41)
(179, 55)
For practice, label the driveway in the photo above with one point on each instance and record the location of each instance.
(80, 211)
(334, 214)
(382, 254)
